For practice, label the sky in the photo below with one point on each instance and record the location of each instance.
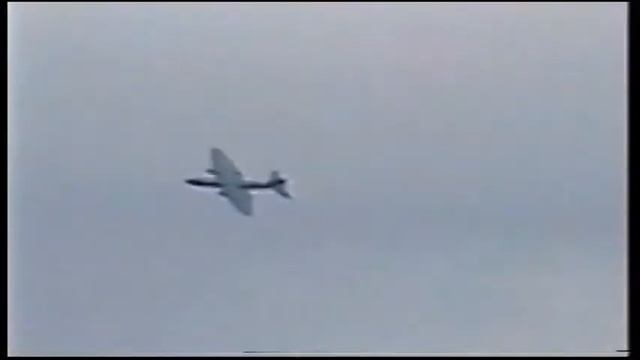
(458, 173)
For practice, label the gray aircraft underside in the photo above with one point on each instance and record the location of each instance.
(232, 184)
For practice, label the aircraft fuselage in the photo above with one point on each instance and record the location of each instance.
(242, 185)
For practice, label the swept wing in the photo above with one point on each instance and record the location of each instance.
(240, 198)
(225, 170)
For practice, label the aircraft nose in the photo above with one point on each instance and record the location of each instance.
(191, 181)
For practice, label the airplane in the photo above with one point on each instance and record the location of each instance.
(232, 184)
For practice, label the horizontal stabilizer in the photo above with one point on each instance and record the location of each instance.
(282, 190)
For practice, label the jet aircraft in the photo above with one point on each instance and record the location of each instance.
(232, 184)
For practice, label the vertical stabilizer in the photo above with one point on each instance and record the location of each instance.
(279, 184)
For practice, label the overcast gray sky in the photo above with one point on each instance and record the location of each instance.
(459, 174)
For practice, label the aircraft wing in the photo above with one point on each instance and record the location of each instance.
(224, 168)
(240, 198)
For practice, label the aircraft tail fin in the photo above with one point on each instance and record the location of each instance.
(279, 184)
